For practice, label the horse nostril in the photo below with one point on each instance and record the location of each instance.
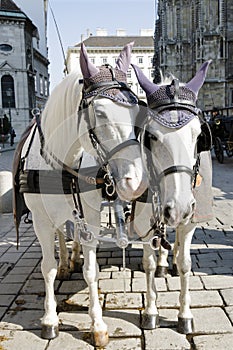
(166, 211)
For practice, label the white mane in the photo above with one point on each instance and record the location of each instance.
(59, 118)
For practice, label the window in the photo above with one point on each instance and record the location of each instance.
(41, 85)
(35, 82)
(231, 101)
(46, 87)
(129, 73)
(8, 91)
(92, 59)
(104, 60)
(140, 60)
(5, 47)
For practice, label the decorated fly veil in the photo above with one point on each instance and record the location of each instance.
(106, 81)
(174, 105)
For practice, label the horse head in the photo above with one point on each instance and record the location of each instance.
(170, 136)
(107, 118)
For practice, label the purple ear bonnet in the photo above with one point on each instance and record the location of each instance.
(104, 74)
(175, 103)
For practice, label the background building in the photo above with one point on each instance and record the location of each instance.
(188, 33)
(23, 61)
(103, 49)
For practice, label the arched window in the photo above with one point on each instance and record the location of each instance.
(8, 91)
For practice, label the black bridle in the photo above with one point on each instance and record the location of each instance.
(103, 156)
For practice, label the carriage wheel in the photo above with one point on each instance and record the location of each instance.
(229, 151)
(218, 150)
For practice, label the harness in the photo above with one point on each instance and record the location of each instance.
(204, 143)
(79, 180)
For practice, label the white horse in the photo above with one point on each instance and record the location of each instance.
(94, 112)
(171, 145)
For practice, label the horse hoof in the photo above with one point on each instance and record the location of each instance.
(185, 325)
(63, 274)
(174, 271)
(100, 339)
(49, 332)
(150, 321)
(161, 271)
(76, 266)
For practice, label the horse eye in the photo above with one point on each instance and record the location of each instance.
(153, 137)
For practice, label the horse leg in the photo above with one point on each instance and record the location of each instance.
(63, 272)
(91, 272)
(174, 270)
(162, 263)
(75, 260)
(46, 236)
(185, 317)
(150, 316)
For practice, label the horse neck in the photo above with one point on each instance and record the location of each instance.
(59, 120)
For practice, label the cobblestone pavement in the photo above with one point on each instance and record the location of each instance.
(211, 285)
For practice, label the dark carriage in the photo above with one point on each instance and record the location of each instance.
(221, 124)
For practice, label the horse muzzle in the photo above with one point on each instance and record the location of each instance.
(175, 215)
(130, 188)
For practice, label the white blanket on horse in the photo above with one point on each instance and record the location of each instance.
(203, 192)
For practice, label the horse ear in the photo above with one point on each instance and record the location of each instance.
(198, 80)
(88, 69)
(144, 82)
(123, 61)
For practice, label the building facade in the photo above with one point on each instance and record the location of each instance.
(189, 32)
(103, 49)
(23, 66)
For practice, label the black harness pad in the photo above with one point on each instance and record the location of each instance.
(57, 181)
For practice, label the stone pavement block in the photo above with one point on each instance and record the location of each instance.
(2, 311)
(213, 342)
(199, 298)
(81, 299)
(27, 262)
(10, 288)
(139, 284)
(21, 340)
(227, 295)
(120, 274)
(6, 299)
(29, 302)
(34, 287)
(22, 270)
(223, 270)
(229, 311)
(123, 323)
(121, 300)
(70, 341)
(197, 271)
(72, 287)
(168, 299)
(168, 318)
(211, 320)
(204, 298)
(28, 319)
(13, 278)
(10, 257)
(165, 339)
(174, 283)
(114, 285)
(78, 321)
(124, 344)
(217, 281)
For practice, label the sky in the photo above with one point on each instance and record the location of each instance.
(75, 17)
